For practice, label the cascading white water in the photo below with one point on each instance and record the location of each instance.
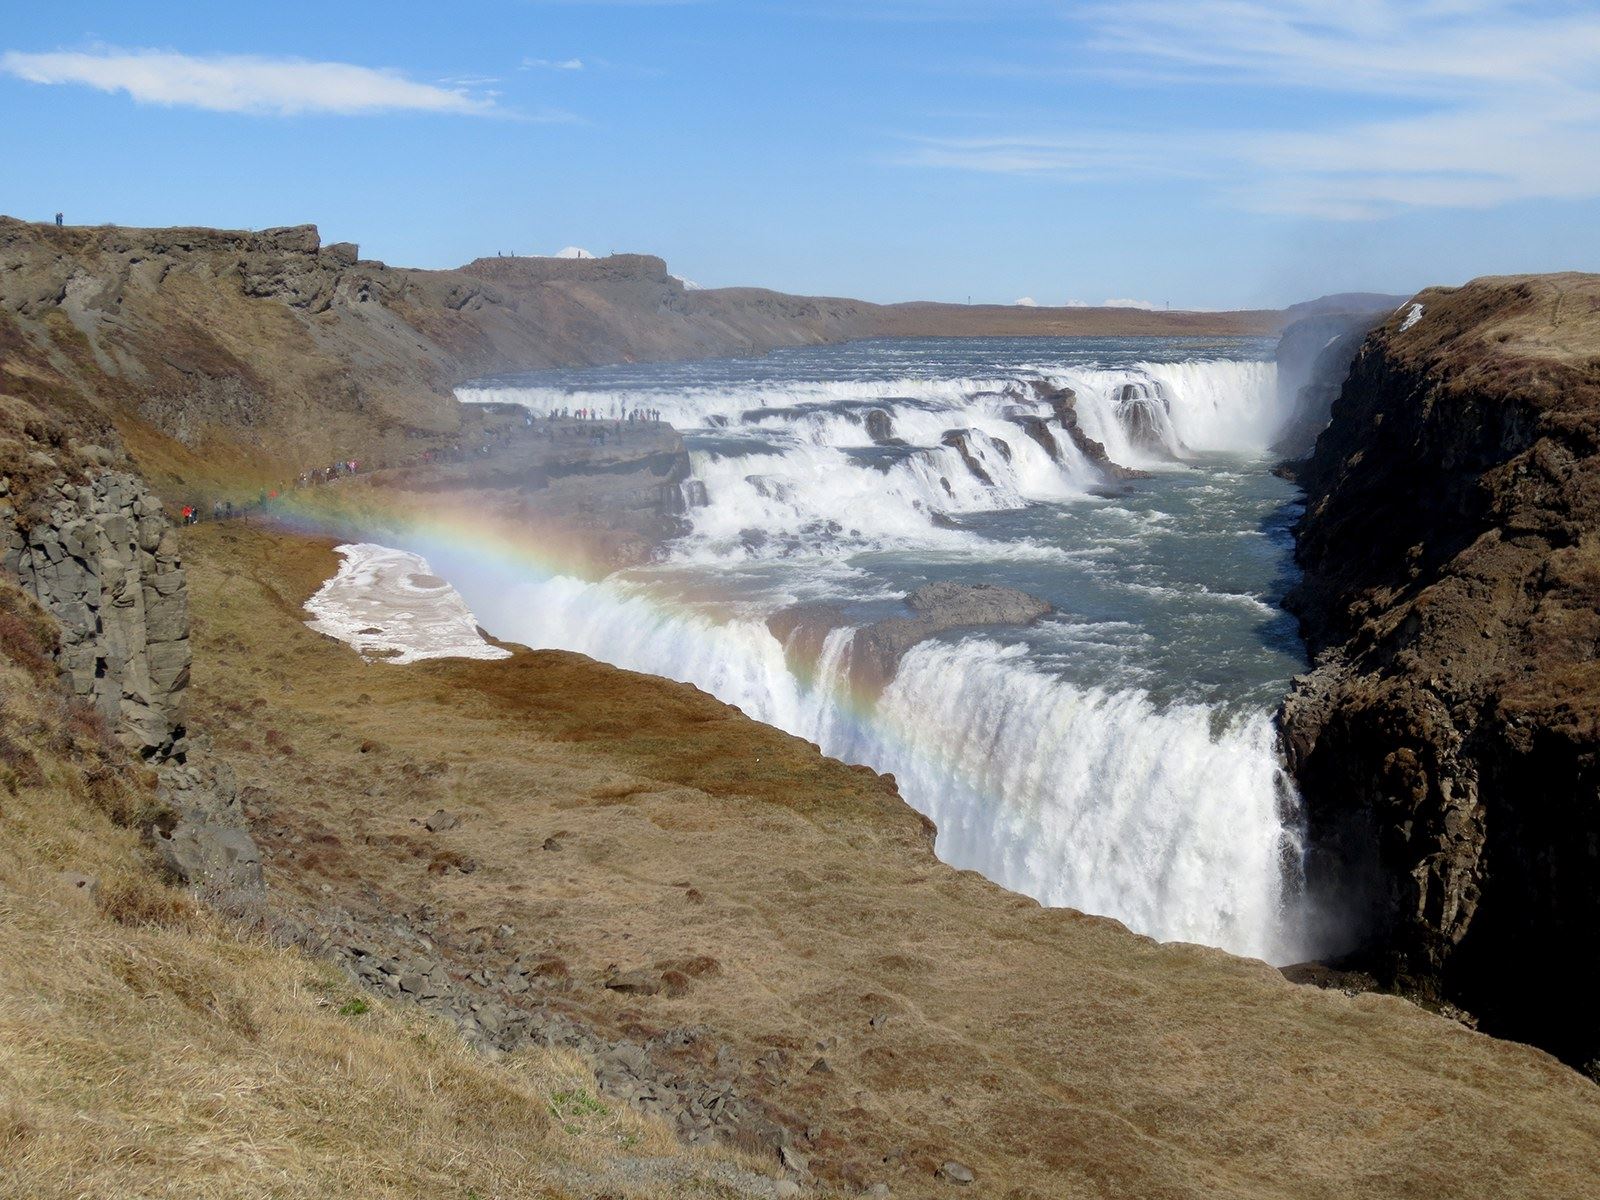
(1171, 814)
(1069, 794)
(1208, 405)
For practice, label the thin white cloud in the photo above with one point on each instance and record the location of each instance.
(1088, 154)
(552, 64)
(245, 83)
(1147, 305)
(1386, 47)
(1481, 103)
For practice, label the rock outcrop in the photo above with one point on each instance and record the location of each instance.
(103, 560)
(880, 428)
(208, 843)
(877, 648)
(960, 440)
(1446, 740)
(1038, 429)
(1145, 411)
(1063, 402)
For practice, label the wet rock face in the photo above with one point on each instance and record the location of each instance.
(1037, 429)
(1063, 402)
(1447, 741)
(103, 560)
(880, 428)
(1143, 412)
(958, 440)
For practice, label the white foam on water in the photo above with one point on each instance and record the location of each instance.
(1228, 405)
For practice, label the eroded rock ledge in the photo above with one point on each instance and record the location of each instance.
(876, 649)
(1063, 402)
(1445, 741)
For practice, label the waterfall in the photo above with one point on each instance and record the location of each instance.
(1170, 814)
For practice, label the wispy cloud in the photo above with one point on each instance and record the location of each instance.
(246, 83)
(1085, 154)
(552, 64)
(1488, 102)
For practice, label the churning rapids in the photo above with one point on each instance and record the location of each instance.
(1118, 757)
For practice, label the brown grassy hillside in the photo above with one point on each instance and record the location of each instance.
(148, 1048)
(890, 1012)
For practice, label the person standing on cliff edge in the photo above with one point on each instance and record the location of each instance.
(58, 220)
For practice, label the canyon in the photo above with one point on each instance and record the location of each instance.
(748, 944)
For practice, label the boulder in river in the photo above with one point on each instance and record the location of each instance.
(880, 428)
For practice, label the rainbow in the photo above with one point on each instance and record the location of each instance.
(1097, 800)
(526, 551)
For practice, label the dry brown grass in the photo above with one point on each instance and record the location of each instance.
(149, 1049)
(1056, 1054)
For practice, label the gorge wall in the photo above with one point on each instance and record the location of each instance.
(1446, 739)
(1313, 356)
(94, 549)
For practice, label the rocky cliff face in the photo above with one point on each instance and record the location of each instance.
(102, 558)
(225, 352)
(1446, 739)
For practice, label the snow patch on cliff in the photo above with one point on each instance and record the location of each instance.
(389, 605)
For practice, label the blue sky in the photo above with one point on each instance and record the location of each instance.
(1206, 153)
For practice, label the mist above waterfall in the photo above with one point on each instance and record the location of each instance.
(1119, 757)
